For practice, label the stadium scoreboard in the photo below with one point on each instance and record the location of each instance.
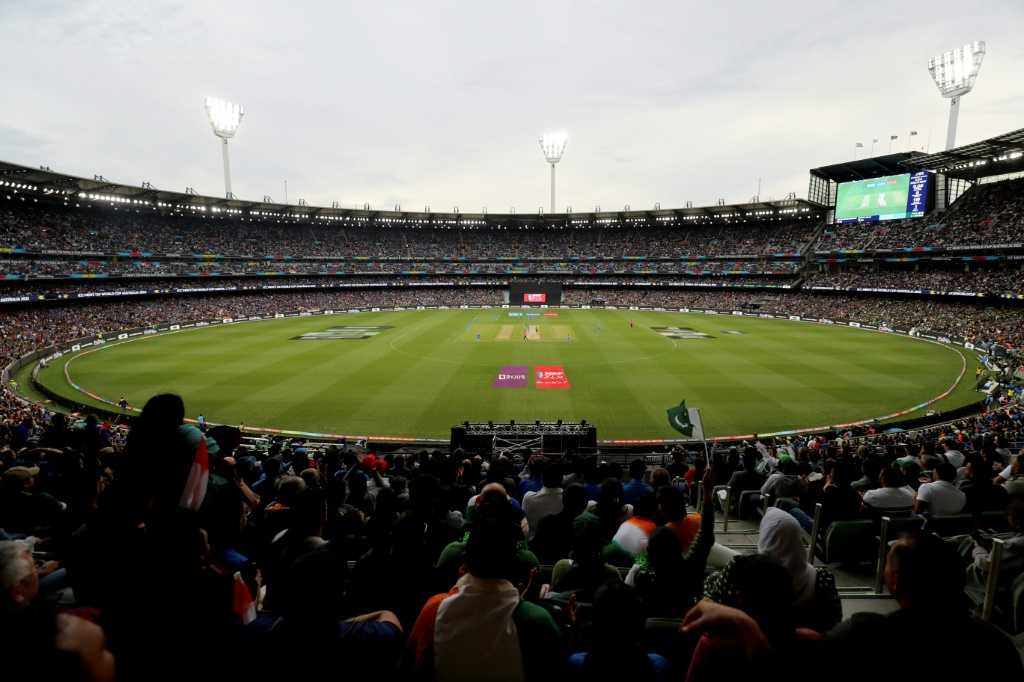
(893, 197)
(535, 293)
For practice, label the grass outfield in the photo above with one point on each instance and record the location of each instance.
(426, 371)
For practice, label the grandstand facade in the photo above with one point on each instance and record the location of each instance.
(82, 257)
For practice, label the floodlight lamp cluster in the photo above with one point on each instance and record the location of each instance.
(955, 71)
(224, 116)
(553, 144)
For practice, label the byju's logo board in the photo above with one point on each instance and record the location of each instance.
(335, 333)
(511, 377)
(550, 377)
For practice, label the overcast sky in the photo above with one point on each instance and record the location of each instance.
(441, 102)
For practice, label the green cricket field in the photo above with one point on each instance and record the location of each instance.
(417, 373)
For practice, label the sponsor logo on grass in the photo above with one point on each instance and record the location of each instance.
(550, 314)
(733, 331)
(681, 333)
(338, 333)
(551, 377)
(515, 314)
(513, 376)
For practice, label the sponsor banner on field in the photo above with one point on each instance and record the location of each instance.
(338, 333)
(550, 377)
(175, 327)
(681, 333)
(855, 324)
(515, 314)
(513, 376)
(550, 314)
(121, 337)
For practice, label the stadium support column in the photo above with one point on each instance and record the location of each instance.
(227, 170)
(553, 144)
(954, 112)
(552, 188)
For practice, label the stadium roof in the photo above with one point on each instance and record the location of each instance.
(997, 155)
(43, 182)
(864, 169)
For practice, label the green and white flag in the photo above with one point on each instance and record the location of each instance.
(686, 420)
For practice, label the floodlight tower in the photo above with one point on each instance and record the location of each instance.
(224, 118)
(954, 72)
(553, 144)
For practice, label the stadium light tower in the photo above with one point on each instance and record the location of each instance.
(553, 144)
(954, 72)
(224, 118)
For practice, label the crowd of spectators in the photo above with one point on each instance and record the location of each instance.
(990, 280)
(49, 267)
(91, 230)
(121, 557)
(989, 214)
(54, 288)
(27, 327)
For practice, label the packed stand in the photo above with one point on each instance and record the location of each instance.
(988, 215)
(179, 549)
(28, 268)
(991, 280)
(108, 230)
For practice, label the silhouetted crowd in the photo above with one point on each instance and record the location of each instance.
(173, 552)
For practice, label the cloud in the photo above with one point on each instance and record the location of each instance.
(441, 103)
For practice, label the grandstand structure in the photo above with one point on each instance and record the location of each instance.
(66, 240)
(80, 259)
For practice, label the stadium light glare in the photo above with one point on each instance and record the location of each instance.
(224, 118)
(553, 144)
(954, 73)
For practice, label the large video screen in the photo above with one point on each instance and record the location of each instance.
(893, 197)
(535, 293)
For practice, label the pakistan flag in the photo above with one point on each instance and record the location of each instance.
(686, 421)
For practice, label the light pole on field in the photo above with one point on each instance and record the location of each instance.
(553, 144)
(224, 117)
(954, 73)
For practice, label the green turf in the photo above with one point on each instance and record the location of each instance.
(429, 372)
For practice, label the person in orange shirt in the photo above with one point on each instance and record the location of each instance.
(672, 505)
